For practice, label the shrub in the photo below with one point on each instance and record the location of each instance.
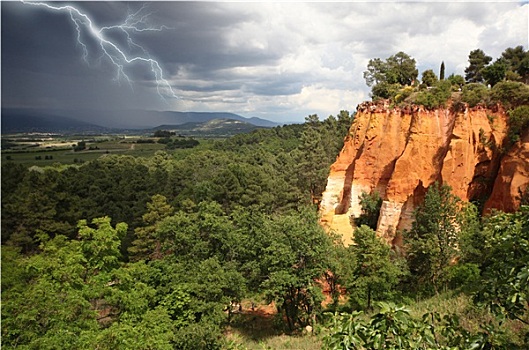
(518, 123)
(475, 93)
(510, 94)
(403, 94)
(464, 276)
(436, 97)
(456, 82)
(385, 90)
(371, 204)
(427, 99)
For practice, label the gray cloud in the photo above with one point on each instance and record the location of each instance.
(282, 61)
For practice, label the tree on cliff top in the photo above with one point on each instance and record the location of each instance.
(385, 76)
(477, 60)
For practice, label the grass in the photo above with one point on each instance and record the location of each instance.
(471, 317)
(260, 329)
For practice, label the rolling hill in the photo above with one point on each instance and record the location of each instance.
(214, 127)
(65, 121)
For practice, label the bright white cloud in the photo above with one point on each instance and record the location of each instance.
(327, 46)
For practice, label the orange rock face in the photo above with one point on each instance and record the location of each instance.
(401, 152)
(511, 179)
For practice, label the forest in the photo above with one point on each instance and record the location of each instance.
(179, 249)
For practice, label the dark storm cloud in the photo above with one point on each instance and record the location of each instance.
(257, 58)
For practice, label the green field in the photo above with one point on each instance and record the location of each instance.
(33, 150)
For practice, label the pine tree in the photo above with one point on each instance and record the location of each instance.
(431, 243)
(147, 245)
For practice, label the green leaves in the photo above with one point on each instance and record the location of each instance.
(101, 245)
(376, 270)
(387, 77)
(370, 204)
(392, 327)
(518, 123)
(432, 241)
(477, 61)
(505, 264)
(296, 255)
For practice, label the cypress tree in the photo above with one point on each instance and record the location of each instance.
(442, 71)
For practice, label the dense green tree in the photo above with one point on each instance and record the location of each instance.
(385, 90)
(32, 208)
(471, 241)
(505, 264)
(442, 71)
(511, 94)
(386, 77)
(523, 69)
(429, 78)
(475, 93)
(431, 244)
(371, 204)
(100, 245)
(295, 257)
(436, 97)
(514, 56)
(376, 272)
(495, 72)
(402, 69)
(311, 152)
(518, 123)
(376, 72)
(51, 304)
(457, 81)
(154, 330)
(477, 60)
(147, 245)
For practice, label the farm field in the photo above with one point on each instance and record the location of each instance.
(45, 150)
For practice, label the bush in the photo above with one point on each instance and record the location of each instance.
(464, 276)
(81, 146)
(371, 204)
(393, 327)
(403, 94)
(201, 335)
(163, 133)
(436, 97)
(475, 93)
(385, 90)
(510, 94)
(518, 123)
(426, 99)
(456, 82)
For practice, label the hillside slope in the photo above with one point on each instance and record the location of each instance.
(214, 127)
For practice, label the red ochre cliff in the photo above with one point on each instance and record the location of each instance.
(400, 152)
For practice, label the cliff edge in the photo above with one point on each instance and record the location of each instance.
(400, 152)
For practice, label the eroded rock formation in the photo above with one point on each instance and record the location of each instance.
(401, 152)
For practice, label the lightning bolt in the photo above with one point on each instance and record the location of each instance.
(118, 56)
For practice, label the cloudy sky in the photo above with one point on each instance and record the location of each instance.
(281, 61)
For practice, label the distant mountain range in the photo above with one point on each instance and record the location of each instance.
(83, 121)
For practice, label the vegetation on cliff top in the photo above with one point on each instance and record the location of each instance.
(502, 81)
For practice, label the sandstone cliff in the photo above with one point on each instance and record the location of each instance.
(401, 152)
